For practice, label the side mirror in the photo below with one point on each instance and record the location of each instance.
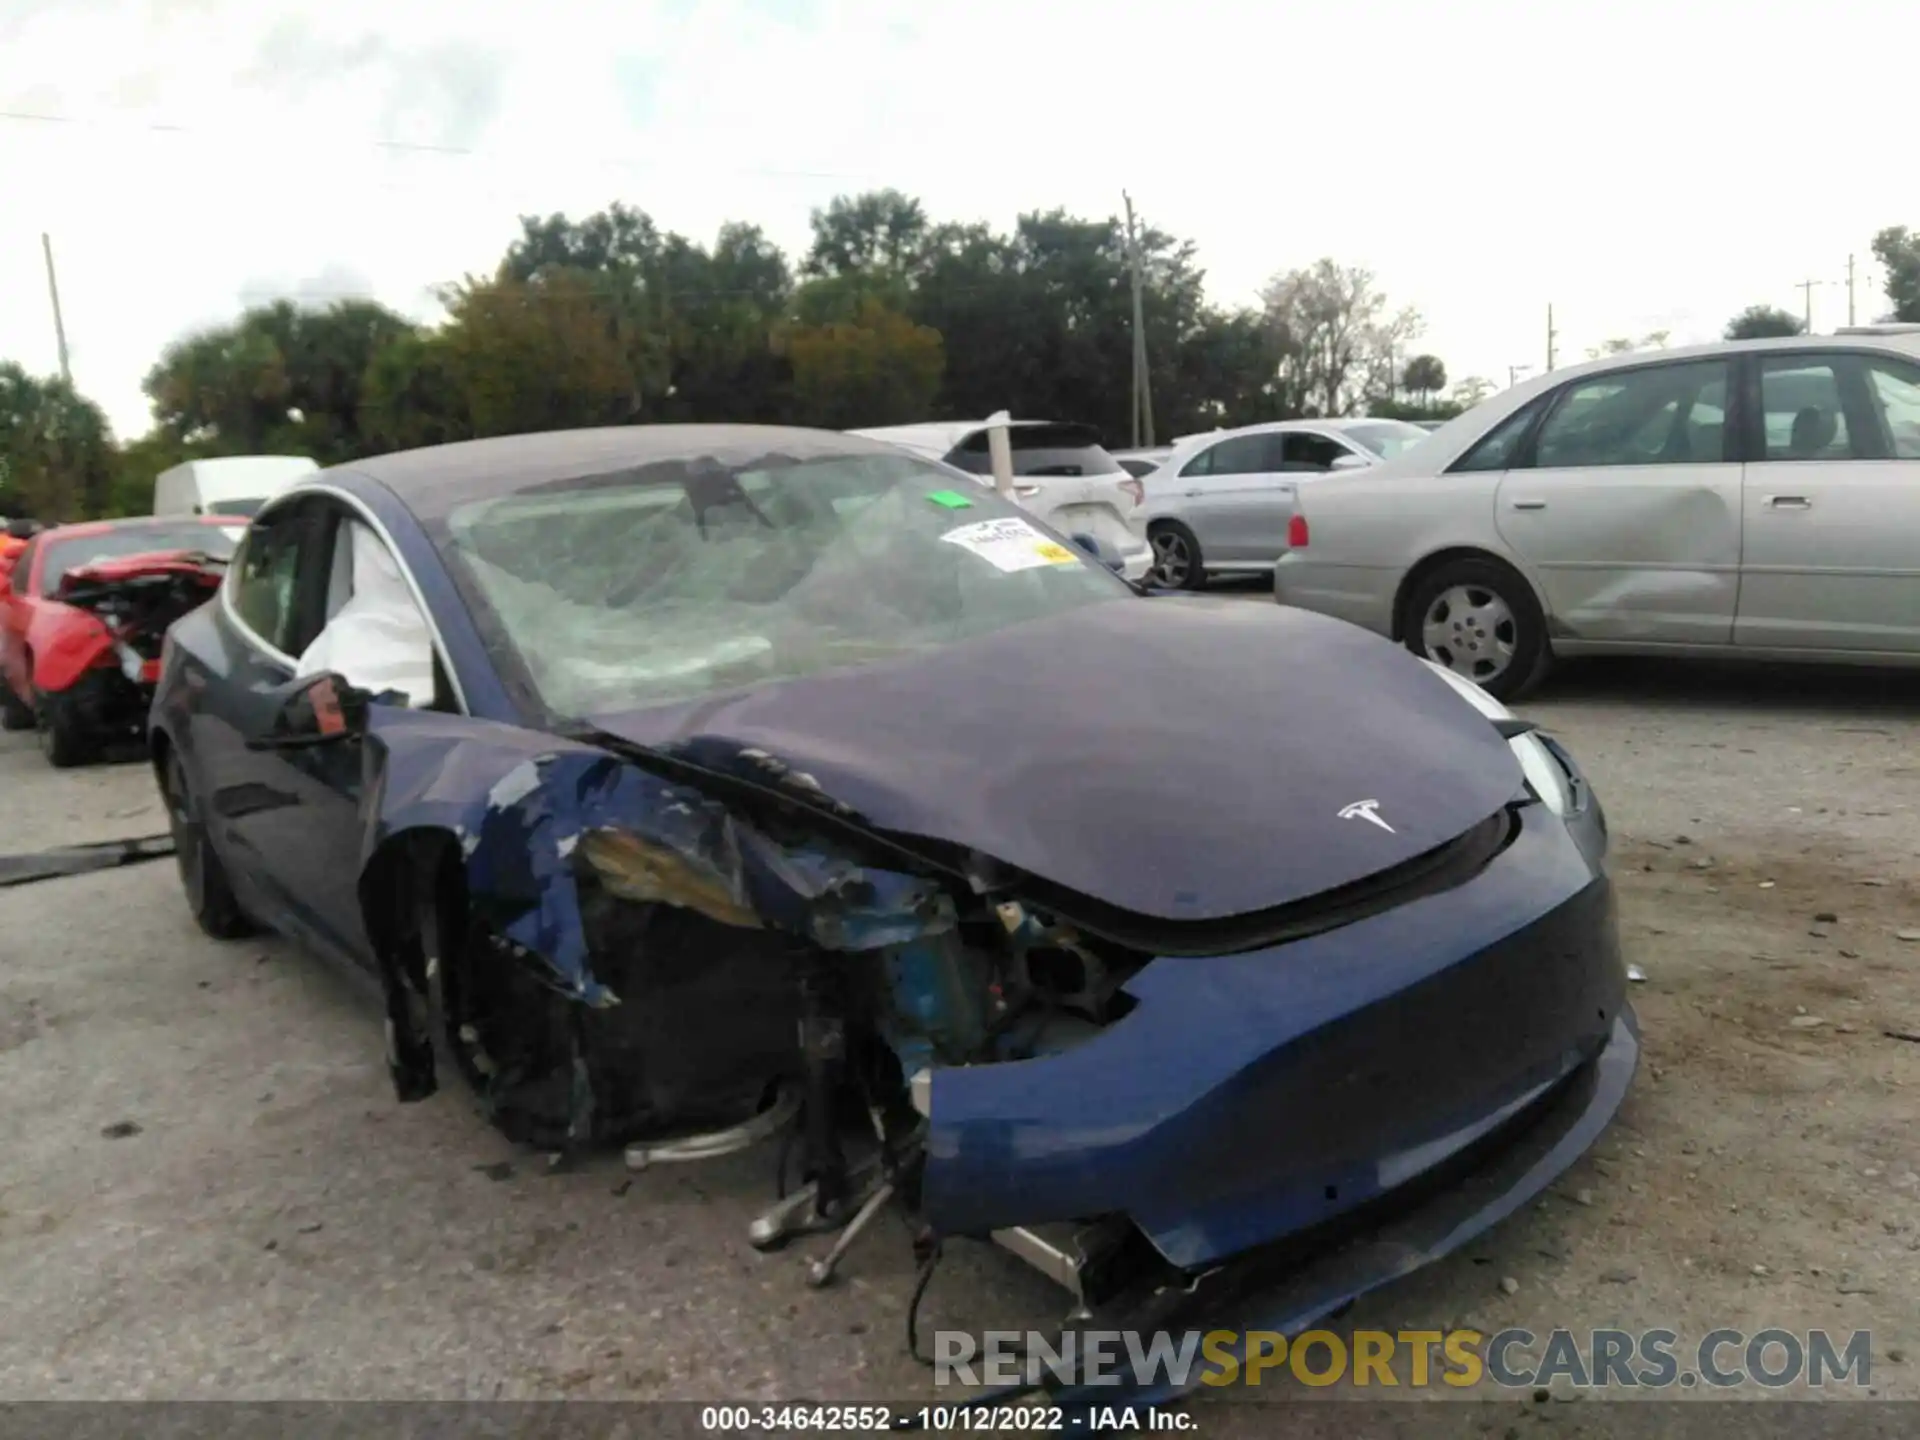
(1105, 554)
(1349, 462)
(313, 710)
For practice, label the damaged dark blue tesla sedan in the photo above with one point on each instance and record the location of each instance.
(688, 786)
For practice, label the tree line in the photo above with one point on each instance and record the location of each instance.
(888, 317)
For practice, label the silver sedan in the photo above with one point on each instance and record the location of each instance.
(1222, 501)
(1753, 498)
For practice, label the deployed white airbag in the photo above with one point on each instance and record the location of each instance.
(378, 639)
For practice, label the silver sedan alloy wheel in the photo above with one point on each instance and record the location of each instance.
(1172, 559)
(1472, 631)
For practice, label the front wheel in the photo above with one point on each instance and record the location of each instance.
(1480, 620)
(1177, 562)
(63, 736)
(15, 713)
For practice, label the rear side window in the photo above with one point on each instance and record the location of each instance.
(1802, 408)
(1040, 450)
(1241, 455)
(1499, 448)
(1309, 452)
(1659, 415)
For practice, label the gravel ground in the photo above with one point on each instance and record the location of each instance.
(210, 1193)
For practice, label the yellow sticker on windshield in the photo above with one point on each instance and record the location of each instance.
(1009, 544)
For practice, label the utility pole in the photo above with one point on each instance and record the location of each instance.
(1552, 335)
(53, 292)
(1805, 287)
(1142, 384)
(1514, 372)
(1850, 290)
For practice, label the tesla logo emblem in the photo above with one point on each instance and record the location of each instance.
(1367, 810)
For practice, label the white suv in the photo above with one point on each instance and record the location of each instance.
(1062, 474)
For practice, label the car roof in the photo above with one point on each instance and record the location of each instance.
(435, 479)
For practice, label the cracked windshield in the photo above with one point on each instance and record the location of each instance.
(625, 591)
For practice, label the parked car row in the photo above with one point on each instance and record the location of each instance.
(1213, 503)
(1751, 498)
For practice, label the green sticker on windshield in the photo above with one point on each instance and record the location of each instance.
(951, 499)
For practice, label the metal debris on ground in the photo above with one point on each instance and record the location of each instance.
(82, 859)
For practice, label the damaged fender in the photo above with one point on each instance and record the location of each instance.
(532, 815)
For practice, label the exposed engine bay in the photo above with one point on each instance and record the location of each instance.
(138, 599)
(718, 1015)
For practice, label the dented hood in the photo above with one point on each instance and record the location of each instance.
(104, 577)
(1183, 759)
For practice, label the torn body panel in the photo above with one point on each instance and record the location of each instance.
(113, 614)
(666, 915)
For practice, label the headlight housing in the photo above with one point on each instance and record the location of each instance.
(1546, 777)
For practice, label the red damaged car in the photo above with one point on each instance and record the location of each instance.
(83, 610)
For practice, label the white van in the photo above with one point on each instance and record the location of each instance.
(228, 485)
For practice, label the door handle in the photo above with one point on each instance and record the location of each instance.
(1529, 504)
(1789, 502)
(1192, 494)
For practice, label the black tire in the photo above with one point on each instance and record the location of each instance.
(506, 1039)
(15, 713)
(63, 736)
(513, 1040)
(1499, 641)
(203, 878)
(1177, 561)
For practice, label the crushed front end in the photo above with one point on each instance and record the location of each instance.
(108, 660)
(1259, 1118)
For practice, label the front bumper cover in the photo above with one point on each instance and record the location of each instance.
(1250, 1097)
(1434, 1217)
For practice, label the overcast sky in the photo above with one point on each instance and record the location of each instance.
(1640, 166)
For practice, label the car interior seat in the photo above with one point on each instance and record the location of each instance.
(1813, 431)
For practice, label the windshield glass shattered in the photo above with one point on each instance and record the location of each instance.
(658, 585)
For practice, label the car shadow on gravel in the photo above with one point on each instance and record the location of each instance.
(1715, 684)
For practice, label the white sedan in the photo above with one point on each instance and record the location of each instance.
(1222, 501)
(1754, 498)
